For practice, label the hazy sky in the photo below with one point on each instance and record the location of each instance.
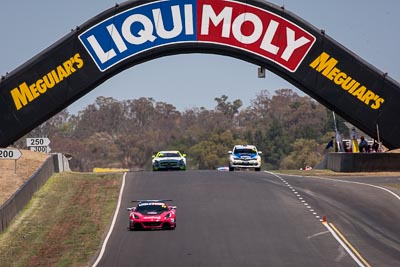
(368, 28)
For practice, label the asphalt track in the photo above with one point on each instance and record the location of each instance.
(248, 218)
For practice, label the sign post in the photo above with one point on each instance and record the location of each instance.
(11, 153)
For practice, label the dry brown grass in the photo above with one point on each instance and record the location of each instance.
(71, 236)
(85, 204)
(12, 178)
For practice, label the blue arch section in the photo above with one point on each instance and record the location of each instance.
(254, 31)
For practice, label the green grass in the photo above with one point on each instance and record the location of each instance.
(397, 186)
(64, 223)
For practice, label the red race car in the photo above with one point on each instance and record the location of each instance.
(152, 214)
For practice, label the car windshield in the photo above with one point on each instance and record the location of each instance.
(151, 208)
(245, 151)
(168, 155)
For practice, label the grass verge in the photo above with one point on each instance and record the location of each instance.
(64, 223)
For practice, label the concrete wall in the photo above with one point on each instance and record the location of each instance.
(363, 162)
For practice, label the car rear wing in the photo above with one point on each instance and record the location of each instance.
(152, 200)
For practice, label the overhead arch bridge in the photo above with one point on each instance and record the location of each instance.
(251, 30)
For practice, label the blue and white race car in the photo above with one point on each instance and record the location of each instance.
(246, 157)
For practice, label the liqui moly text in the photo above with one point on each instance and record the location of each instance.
(231, 23)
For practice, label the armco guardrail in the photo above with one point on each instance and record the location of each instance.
(18, 201)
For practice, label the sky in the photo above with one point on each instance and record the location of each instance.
(368, 28)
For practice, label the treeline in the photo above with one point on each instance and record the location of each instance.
(291, 130)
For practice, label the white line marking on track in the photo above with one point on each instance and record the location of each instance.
(294, 192)
(354, 257)
(103, 248)
(317, 234)
(342, 181)
(341, 242)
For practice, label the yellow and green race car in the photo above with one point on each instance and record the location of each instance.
(169, 160)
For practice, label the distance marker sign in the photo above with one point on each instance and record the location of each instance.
(10, 153)
(37, 142)
(42, 149)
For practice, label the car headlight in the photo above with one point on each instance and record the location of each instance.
(168, 216)
(135, 216)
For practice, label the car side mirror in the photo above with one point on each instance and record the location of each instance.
(259, 152)
(184, 155)
(173, 207)
(229, 152)
(131, 209)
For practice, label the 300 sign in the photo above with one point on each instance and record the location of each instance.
(42, 149)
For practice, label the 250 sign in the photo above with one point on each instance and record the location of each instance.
(32, 142)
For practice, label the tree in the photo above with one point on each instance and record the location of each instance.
(212, 153)
(106, 115)
(126, 133)
(277, 145)
(227, 108)
(305, 152)
(140, 112)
